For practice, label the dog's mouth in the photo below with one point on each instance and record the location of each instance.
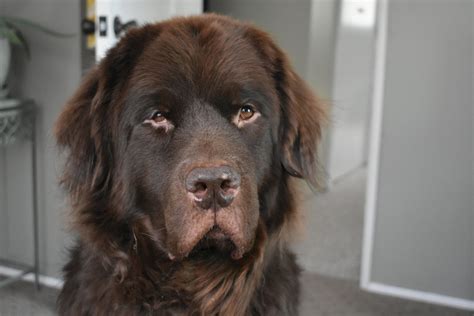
(215, 241)
(228, 231)
(216, 233)
(224, 237)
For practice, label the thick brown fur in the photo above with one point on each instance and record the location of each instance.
(130, 257)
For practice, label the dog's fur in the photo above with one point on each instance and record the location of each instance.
(142, 245)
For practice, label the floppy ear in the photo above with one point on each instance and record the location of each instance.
(77, 131)
(302, 115)
(84, 126)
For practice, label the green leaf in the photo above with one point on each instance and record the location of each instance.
(10, 31)
(10, 35)
(15, 37)
(39, 27)
(24, 44)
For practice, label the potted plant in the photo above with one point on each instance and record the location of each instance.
(11, 35)
(11, 114)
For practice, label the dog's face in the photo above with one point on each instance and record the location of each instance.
(194, 124)
(202, 123)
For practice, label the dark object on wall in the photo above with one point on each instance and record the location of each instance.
(88, 27)
(181, 147)
(121, 27)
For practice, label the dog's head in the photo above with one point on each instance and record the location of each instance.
(194, 124)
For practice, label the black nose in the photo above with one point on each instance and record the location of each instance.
(213, 187)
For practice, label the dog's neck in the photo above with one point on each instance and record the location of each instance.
(206, 284)
(221, 285)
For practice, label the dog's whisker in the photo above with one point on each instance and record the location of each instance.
(148, 235)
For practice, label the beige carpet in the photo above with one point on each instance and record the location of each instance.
(326, 296)
(332, 242)
(322, 296)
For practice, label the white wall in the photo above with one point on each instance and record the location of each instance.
(287, 21)
(49, 78)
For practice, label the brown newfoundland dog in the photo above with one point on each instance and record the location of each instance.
(181, 145)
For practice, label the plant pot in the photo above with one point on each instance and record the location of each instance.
(5, 54)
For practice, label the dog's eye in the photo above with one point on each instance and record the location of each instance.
(246, 112)
(158, 116)
(158, 120)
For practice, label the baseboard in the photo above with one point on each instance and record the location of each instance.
(43, 279)
(420, 296)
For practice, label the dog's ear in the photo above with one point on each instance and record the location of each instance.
(302, 117)
(302, 113)
(84, 127)
(76, 131)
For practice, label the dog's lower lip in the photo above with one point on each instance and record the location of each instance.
(236, 254)
(216, 233)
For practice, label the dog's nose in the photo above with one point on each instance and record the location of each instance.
(213, 187)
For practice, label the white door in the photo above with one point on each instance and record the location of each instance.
(419, 222)
(113, 15)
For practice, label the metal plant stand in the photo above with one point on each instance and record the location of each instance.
(17, 123)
